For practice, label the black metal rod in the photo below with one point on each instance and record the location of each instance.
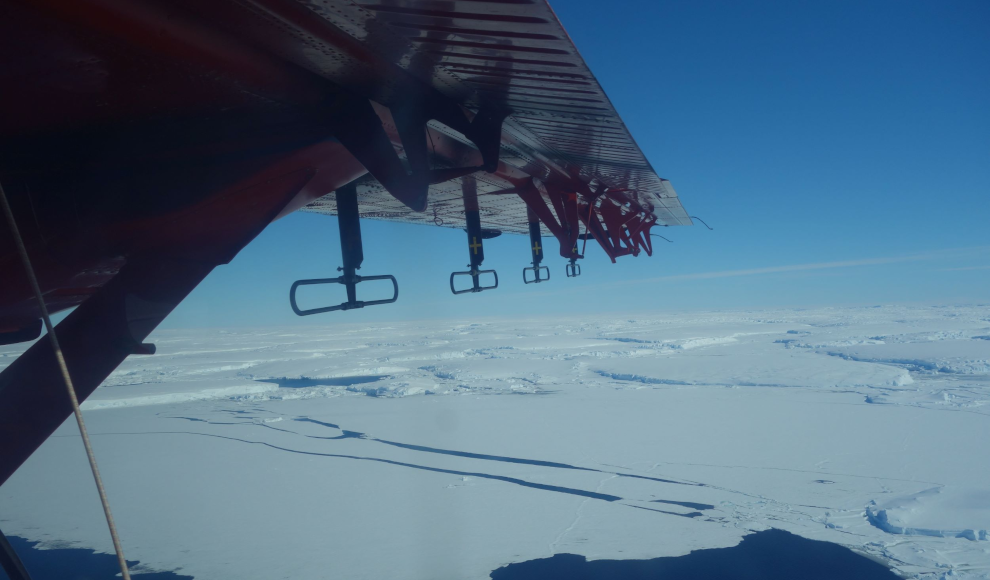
(476, 248)
(349, 224)
(535, 243)
(349, 221)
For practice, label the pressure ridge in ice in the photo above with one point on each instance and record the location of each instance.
(945, 512)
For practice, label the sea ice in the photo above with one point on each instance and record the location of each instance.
(258, 453)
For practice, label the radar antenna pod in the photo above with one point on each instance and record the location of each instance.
(537, 248)
(352, 255)
(475, 237)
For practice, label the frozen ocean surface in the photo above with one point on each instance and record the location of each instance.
(396, 451)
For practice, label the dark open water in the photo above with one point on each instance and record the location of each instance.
(768, 555)
(76, 564)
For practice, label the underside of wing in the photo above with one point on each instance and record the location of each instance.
(561, 131)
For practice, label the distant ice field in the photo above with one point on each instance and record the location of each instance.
(449, 449)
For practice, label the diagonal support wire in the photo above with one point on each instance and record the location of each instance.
(68, 382)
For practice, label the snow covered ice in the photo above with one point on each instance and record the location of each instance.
(447, 450)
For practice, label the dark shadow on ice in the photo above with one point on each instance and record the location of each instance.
(522, 461)
(669, 513)
(208, 422)
(687, 504)
(513, 480)
(345, 434)
(641, 379)
(633, 340)
(77, 564)
(325, 424)
(303, 382)
(768, 555)
(483, 456)
(249, 423)
(660, 479)
(486, 457)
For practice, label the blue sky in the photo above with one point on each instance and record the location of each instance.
(841, 151)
